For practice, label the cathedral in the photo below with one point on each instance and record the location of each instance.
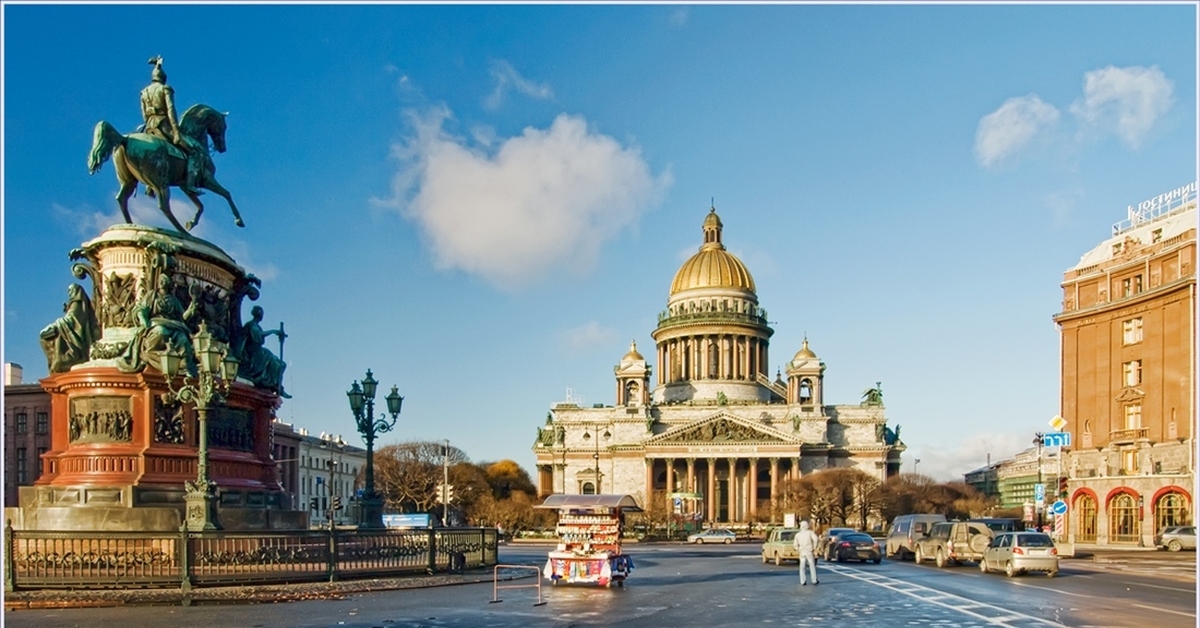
(708, 432)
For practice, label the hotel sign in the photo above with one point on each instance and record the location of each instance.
(1152, 208)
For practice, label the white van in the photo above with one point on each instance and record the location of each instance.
(906, 530)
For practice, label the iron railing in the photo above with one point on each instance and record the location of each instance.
(47, 560)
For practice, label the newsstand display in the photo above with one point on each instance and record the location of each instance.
(589, 531)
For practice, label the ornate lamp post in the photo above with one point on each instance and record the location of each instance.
(362, 404)
(596, 453)
(215, 374)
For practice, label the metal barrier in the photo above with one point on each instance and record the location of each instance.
(43, 559)
(537, 577)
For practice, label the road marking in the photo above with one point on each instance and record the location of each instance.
(1155, 608)
(1034, 586)
(1158, 586)
(934, 596)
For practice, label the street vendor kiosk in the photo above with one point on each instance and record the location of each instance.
(589, 531)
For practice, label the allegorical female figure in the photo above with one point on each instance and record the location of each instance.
(68, 340)
(258, 364)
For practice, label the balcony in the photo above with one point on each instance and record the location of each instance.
(1118, 437)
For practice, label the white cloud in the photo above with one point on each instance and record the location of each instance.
(507, 77)
(679, 17)
(1009, 128)
(950, 462)
(587, 336)
(542, 201)
(1127, 100)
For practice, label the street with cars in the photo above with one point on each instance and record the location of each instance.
(680, 584)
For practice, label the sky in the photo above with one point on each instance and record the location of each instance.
(485, 204)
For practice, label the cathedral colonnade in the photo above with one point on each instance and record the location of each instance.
(732, 357)
(728, 489)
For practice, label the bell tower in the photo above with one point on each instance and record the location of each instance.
(633, 379)
(806, 378)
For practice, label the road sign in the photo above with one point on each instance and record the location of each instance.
(1056, 439)
(1039, 492)
(1058, 423)
(1060, 525)
(1058, 508)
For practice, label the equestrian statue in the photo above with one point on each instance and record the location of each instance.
(164, 151)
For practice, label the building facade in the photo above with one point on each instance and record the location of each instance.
(1128, 337)
(26, 432)
(709, 433)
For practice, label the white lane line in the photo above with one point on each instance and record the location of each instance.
(1157, 586)
(1163, 610)
(927, 594)
(1034, 586)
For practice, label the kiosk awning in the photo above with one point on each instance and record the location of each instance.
(624, 502)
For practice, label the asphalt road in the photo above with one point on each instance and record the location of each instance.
(676, 585)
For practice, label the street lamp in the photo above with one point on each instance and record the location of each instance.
(362, 404)
(1037, 439)
(215, 373)
(332, 504)
(916, 461)
(596, 454)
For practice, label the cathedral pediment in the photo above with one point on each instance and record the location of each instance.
(721, 429)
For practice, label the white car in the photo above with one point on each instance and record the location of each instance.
(712, 535)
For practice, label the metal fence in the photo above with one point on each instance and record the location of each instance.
(46, 560)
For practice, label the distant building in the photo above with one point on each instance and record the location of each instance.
(26, 432)
(1017, 477)
(986, 480)
(1128, 338)
(317, 469)
(708, 433)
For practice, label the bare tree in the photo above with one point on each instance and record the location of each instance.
(407, 474)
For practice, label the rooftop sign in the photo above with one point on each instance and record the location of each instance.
(1156, 207)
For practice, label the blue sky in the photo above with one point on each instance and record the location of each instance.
(485, 204)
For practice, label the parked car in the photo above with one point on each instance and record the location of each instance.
(906, 530)
(952, 542)
(1001, 524)
(822, 548)
(1176, 538)
(1018, 552)
(712, 535)
(778, 546)
(854, 546)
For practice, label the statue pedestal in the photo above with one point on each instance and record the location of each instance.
(120, 456)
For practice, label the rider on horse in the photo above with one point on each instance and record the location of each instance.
(158, 112)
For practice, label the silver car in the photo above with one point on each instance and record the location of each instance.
(1018, 552)
(712, 535)
(1176, 538)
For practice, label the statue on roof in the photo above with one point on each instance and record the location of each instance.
(873, 396)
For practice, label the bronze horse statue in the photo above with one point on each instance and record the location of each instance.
(141, 157)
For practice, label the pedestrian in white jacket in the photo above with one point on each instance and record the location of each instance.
(805, 543)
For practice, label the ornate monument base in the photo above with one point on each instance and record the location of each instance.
(123, 451)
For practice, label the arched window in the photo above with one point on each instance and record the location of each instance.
(805, 391)
(1123, 524)
(1171, 509)
(589, 488)
(1086, 507)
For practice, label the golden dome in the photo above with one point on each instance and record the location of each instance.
(712, 266)
(633, 353)
(804, 353)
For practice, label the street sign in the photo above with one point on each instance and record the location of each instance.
(1039, 492)
(1060, 525)
(1056, 439)
(1058, 423)
(1058, 508)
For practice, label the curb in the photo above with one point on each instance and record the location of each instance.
(255, 594)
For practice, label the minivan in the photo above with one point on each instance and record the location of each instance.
(905, 531)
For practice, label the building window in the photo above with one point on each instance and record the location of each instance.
(1126, 287)
(22, 467)
(1155, 235)
(38, 463)
(1137, 284)
(1123, 524)
(1133, 372)
(1086, 507)
(22, 422)
(1133, 416)
(1129, 462)
(42, 424)
(1132, 330)
(1171, 509)
(588, 489)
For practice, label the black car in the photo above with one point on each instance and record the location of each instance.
(853, 546)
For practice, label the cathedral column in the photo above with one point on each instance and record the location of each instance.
(710, 498)
(670, 477)
(691, 476)
(704, 373)
(753, 489)
(649, 482)
(732, 501)
(774, 484)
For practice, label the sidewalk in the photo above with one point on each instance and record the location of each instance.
(250, 594)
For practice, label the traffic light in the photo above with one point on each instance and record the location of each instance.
(1062, 488)
(337, 502)
(312, 504)
(446, 492)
